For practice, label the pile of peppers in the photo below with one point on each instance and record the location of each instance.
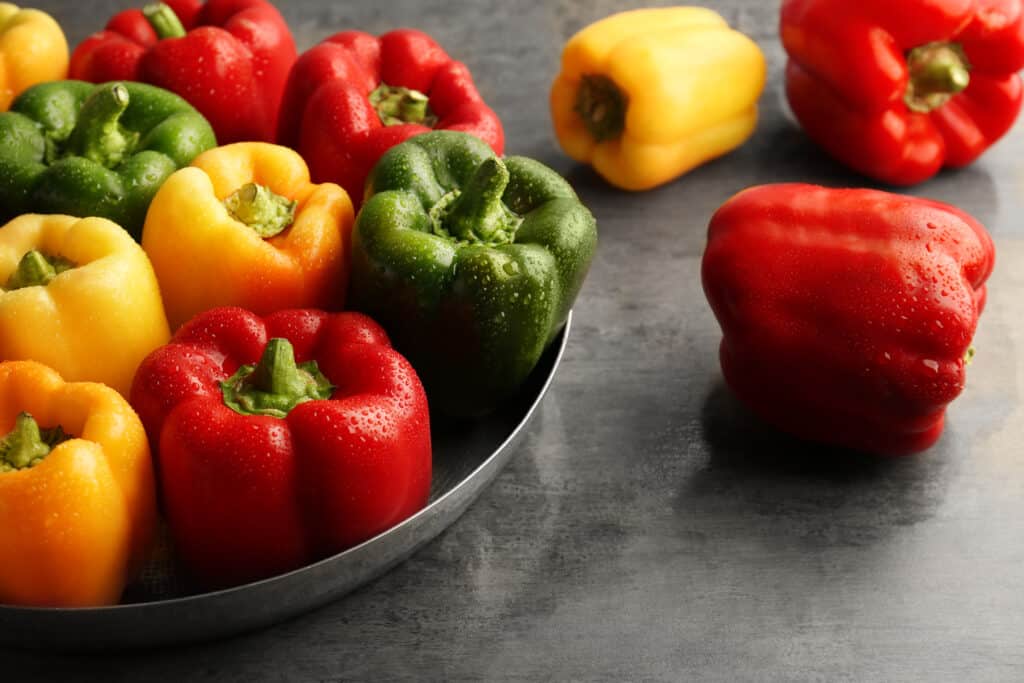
(250, 314)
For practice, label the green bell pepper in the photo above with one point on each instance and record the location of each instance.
(82, 149)
(470, 262)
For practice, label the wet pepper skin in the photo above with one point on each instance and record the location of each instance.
(231, 65)
(75, 148)
(250, 496)
(93, 322)
(473, 310)
(848, 74)
(205, 257)
(846, 314)
(75, 527)
(328, 117)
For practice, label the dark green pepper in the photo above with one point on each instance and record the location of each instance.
(471, 263)
(82, 149)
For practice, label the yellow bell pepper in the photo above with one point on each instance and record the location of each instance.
(32, 50)
(80, 296)
(646, 95)
(244, 226)
(77, 497)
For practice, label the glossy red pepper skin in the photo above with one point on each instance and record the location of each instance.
(847, 76)
(846, 314)
(327, 115)
(232, 65)
(250, 496)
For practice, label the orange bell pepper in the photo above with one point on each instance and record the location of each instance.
(77, 501)
(33, 49)
(244, 226)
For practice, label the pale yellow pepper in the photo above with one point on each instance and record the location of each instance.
(33, 50)
(80, 296)
(646, 95)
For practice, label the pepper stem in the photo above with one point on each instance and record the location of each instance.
(25, 445)
(261, 209)
(938, 71)
(396, 105)
(476, 214)
(602, 106)
(276, 384)
(164, 21)
(36, 269)
(98, 135)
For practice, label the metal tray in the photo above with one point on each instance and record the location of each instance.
(467, 457)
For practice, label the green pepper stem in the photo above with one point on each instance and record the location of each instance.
(602, 106)
(23, 446)
(937, 71)
(477, 214)
(277, 372)
(164, 21)
(261, 209)
(98, 135)
(36, 269)
(396, 105)
(276, 384)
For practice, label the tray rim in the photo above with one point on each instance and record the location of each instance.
(450, 503)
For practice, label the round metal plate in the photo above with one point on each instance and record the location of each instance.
(467, 457)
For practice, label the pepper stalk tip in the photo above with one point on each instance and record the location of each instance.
(164, 20)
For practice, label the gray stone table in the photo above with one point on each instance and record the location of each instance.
(649, 528)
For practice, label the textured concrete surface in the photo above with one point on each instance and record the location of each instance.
(650, 529)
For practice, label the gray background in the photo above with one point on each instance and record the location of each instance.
(649, 528)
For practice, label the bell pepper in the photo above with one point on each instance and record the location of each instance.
(229, 58)
(470, 262)
(847, 315)
(77, 498)
(75, 148)
(281, 440)
(354, 95)
(80, 296)
(32, 50)
(898, 90)
(243, 226)
(646, 95)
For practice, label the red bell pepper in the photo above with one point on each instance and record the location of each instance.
(281, 440)
(354, 96)
(897, 90)
(847, 315)
(229, 58)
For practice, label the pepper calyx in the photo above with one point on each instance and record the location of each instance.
(266, 212)
(36, 269)
(396, 106)
(602, 105)
(937, 72)
(26, 445)
(98, 134)
(276, 384)
(476, 214)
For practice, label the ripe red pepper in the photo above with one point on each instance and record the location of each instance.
(229, 58)
(281, 440)
(897, 90)
(847, 315)
(354, 96)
